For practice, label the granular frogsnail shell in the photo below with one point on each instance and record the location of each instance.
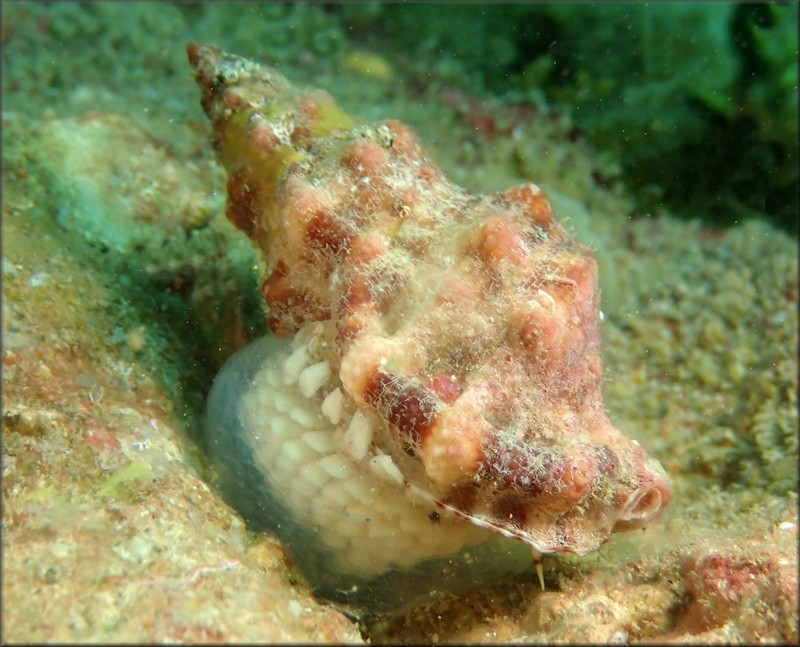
(433, 385)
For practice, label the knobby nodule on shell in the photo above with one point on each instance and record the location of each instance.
(427, 414)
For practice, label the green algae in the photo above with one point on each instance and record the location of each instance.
(45, 493)
(119, 484)
(331, 118)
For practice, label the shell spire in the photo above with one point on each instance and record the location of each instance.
(468, 325)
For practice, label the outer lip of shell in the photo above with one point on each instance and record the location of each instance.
(579, 522)
(647, 503)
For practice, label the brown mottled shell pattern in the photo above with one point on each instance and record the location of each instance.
(468, 323)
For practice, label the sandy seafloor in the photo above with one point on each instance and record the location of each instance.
(124, 289)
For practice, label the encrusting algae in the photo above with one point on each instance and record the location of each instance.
(434, 386)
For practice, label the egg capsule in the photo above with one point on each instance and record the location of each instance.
(362, 537)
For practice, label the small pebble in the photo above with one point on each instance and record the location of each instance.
(39, 280)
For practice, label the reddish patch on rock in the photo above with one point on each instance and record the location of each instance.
(233, 99)
(577, 283)
(727, 586)
(368, 198)
(577, 481)
(365, 249)
(430, 174)
(347, 329)
(101, 439)
(542, 335)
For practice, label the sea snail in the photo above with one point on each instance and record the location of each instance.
(427, 410)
